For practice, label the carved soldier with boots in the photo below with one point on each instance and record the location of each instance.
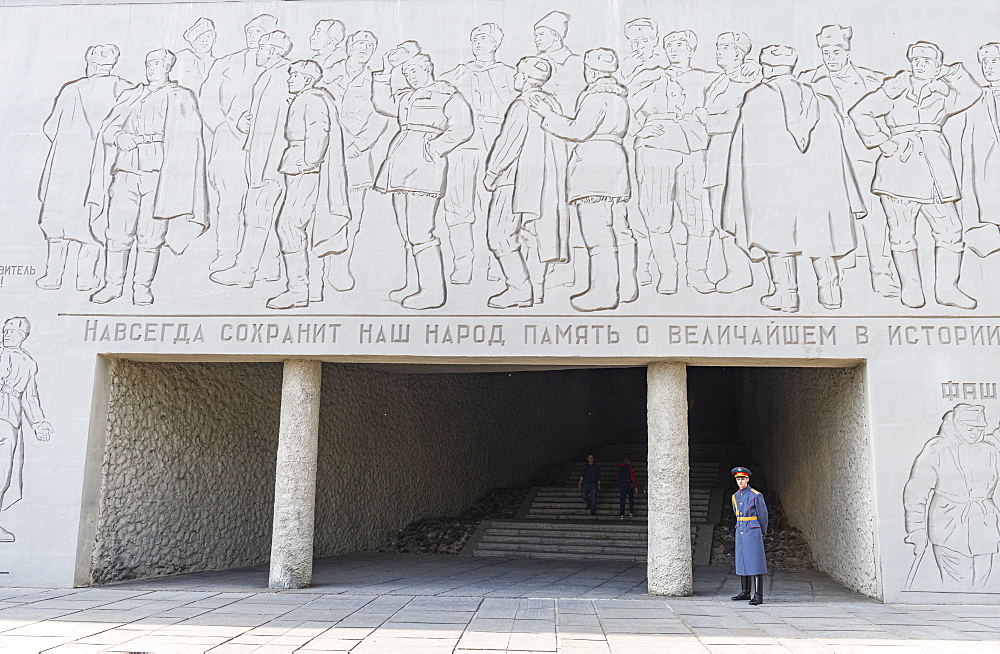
(434, 119)
(597, 178)
(914, 173)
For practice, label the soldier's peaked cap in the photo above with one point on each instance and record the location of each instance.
(535, 68)
(835, 35)
(602, 59)
(687, 36)
(491, 30)
(738, 39)
(423, 59)
(277, 39)
(972, 414)
(363, 36)
(404, 52)
(641, 27)
(778, 55)
(333, 27)
(556, 21)
(307, 67)
(988, 50)
(925, 49)
(265, 21)
(19, 322)
(105, 55)
(161, 53)
(200, 26)
(740, 471)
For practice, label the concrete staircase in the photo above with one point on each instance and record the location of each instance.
(606, 541)
(554, 522)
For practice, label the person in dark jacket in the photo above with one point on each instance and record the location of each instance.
(751, 525)
(590, 483)
(627, 486)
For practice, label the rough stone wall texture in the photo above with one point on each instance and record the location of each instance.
(395, 448)
(188, 468)
(190, 457)
(809, 428)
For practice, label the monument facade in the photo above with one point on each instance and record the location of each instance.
(567, 184)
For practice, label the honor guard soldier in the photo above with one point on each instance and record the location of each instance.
(751, 525)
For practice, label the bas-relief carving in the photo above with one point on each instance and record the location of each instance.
(618, 175)
(949, 502)
(20, 411)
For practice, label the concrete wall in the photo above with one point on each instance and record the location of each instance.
(809, 427)
(189, 462)
(188, 479)
(397, 447)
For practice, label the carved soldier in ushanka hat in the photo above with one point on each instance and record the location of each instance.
(434, 119)
(597, 175)
(194, 62)
(914, 173)
(751, 525)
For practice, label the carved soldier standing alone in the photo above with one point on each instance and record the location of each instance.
(751, 525)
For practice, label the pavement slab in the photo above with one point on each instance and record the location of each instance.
(411, 604)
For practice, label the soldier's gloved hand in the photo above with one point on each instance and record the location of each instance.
(917, 538)
(43, 431)
(243, 124)
(539, 106)
(889, 148)
(749, 70)
(649, 131)
(490, 182)
(433, 149)
(951, 69)
(352, 151)
(126, 142)
(386, 63)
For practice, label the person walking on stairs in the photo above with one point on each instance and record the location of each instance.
(751, 525)
(590, 483)
(627, 486)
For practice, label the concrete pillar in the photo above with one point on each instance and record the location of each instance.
(668, 567)
(295, 476)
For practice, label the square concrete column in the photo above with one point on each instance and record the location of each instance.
(668, 567)
(295, 476)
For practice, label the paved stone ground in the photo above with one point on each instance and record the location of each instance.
(414, 604)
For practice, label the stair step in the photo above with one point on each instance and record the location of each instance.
(606, 517)
(596, 532)
(537, 542)
(562, 527)
(515, 554)
(562, 548)
(572, 507)
(555, 523)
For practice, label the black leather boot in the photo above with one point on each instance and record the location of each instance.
(745, 583)
(758, 590)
